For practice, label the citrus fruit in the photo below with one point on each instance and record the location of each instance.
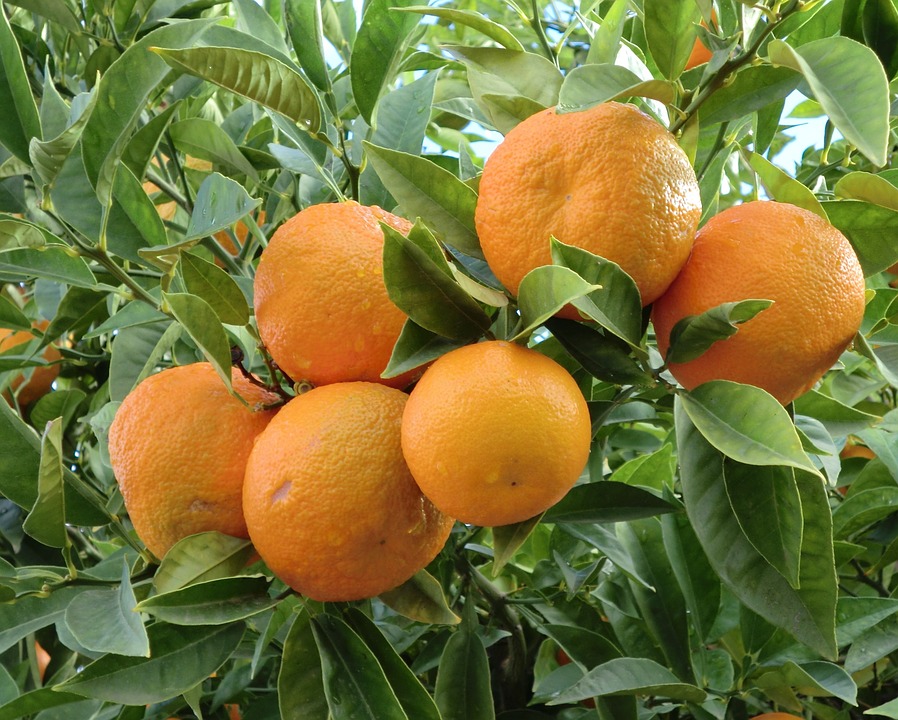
(495, 433)
(700, 53)
(330, 504)
(320, 299)
(178, 446)
(774, 251)
(609, 180)
(35, 382)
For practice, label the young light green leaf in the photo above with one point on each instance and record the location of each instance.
(745, 424)
(22, 122)
(606, 43)
(808, 613)
(377, 52)
(180, 657)
(868, 188)
(204, 326)
(216, 287)
(783, 188)
(220, 202)
(473, 20)
(545, 290)
(46, 520)
(204, 139)
(670, 34)
(426, 292)
(301, 680)
(354, 682)
(306, 32)
(253, 75)
(421, 598)
(590, 85)
(200, 558)
(606, 501)
(104, 621)
(848, 80)
(767, 506)
(415, 700)
(630, 676)
(416, 347)
(426, 190)
(463, 689)
(694, 334)
(212, 602)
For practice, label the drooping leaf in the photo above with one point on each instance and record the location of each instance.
(783, 188)
(416, 347)
(421, 598)
(301, 680)
(463, 680)
(693, 335)
(547, 289)
(216, 287)
(599, 354)
(507, 540)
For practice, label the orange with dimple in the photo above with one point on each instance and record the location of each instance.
(39, 379)
(610, 180)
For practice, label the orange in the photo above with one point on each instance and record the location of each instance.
(700, 54)
(178, 446)
(34, 382)
(779, 252)
(241, 231)
(329, 501)
(320, 299)
(495, 433)
(609, 179)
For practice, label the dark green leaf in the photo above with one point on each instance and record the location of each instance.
(416, 347)
(630, 676)
(48, 156)
(307, 35)
(212, 602)
(547, 289)
(135, 354)
(694, 334)
(463, 680)
(606, 501)
(601, 356)
(354, 682)
(856, 615)
(862, 509)
(11, 317)
(46, 520)
(421, 598)
(751, 89)
(216, 287)
(879, 21)
(203, 325)
(35, 701)
(200, 558)
(872, 645)
(21, 122)
(507, 540)
(29, 614)
(300, 680)
(180, 657)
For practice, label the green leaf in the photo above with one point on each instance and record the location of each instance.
(51, 262)
(872, 645)
(424, 290)
(879, 23)
(872, 230)
(822, 677)
(29, 614)
(21, 122)
(856, 615)
(180, 657)
(104, 621)
(421, 598)
(306, 32)
(751, 89)
(415, 700)
(301, 680)
(122, 96)
(606, 43)
(869, 188)
(473, 20)
(847, 79)
(545, 290)
(767, 506)
(783, 188)
(253, 75)
(507, 540)
(135, 353)
(377, 52)
(220, 202)
(254, 20)
(425, 189)
(11, 317)
(200, 558)
(808, 613)
(46, 521)
(462, 689)
(889, 710)
(133, 314)
(211, 602)
(203, 325)
(693, 335)
(354, 681)
(630, 676)
(606, 501)
(416, 347)
(204, 139)
(35, 701)
(216, 287)
(601, 356)
(862, 509)
(745, 424)
(590, 85)
(49, 156)
(670, 33)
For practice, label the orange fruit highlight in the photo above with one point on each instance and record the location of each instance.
(178, 446)
(329, 501)
(609, 180)
(779, 252)
(495, 433)
(320, 300)
(35, 382)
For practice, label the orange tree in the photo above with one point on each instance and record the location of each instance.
(716, 558)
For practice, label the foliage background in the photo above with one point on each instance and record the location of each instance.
(138, 134)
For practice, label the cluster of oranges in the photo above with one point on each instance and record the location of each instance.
(348, 489)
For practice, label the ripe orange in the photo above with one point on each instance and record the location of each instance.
(178, 446)
(36, 382)
(779, 252)
(495, 433)
(609, 179)
(329, 501)
(320, 299)
(700, 54)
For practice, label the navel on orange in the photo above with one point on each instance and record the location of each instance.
(774, 251)
(495, 433)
